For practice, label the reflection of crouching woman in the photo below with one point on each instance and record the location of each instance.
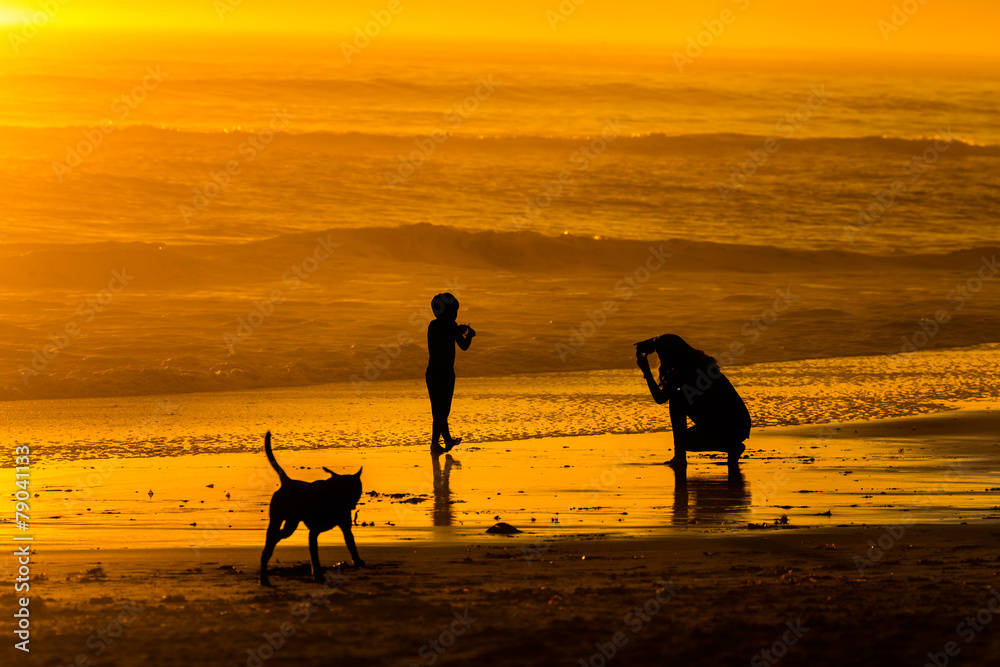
(695, 387)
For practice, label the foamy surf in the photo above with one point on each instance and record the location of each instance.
(509, 408)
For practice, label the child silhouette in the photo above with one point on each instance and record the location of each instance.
(442, 334)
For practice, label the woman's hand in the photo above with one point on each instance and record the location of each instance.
(470, 332)
(642, 361)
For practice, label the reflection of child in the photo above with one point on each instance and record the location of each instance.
(442, 334)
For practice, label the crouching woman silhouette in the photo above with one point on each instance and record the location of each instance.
(694, 386)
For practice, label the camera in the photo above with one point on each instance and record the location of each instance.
(647, 346)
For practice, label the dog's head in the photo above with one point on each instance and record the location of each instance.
(345, 490)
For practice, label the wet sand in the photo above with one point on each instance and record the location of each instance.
(491, 409)
(907, 552)
(918, 469)
(695, 599)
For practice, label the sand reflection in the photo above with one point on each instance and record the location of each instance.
(442, 490)
(705, 500)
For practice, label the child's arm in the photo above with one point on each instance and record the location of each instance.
(463, 336)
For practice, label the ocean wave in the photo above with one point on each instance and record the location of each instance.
(265, 314)
(650, 142)
(221, 264)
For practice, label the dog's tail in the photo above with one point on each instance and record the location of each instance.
(270, 457)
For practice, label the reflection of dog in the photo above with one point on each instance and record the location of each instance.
(321, 505)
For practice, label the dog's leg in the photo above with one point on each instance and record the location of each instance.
(345, 527)
(314, 554)
(289, 528)
(273, 535)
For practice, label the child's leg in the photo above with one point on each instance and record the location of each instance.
(434, 393)
(447, 392)
(441, 426)
(440, 390)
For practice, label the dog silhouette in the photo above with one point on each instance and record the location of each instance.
(320, 505)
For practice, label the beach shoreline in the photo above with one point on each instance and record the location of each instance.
(890, 543)
(934, 467)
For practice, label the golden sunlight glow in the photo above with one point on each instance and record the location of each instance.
(13, 16)
(961, 26)
(232, 218)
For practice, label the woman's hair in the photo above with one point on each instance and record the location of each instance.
(675, 354)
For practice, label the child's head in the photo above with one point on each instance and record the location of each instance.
(445, 306)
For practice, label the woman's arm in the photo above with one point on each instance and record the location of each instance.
(659, 395)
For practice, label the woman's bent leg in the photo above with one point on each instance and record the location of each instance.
(705, 440)
(678, 424)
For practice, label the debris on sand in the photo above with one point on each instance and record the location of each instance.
(502, 529)
(414, 500)
(777, 523)
(93, 575)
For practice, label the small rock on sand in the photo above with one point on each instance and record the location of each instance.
(502, 529)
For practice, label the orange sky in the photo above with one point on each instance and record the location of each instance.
(955, 26)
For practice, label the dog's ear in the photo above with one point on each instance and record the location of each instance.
(358, 473)
(332, 474)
